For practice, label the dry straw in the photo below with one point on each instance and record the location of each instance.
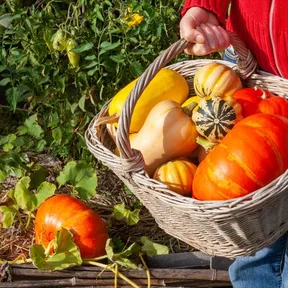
(231, 228)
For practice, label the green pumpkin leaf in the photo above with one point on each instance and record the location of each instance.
(7, 216)
(122, 257)
(66, 253)
(151, 248)
(30, 201)
(82, 176)
(120, 212)
(31, 127)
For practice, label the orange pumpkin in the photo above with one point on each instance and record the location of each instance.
(177, 175)
(89, 230)
(252, 154)
(255, 100)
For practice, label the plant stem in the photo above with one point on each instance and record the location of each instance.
(116, 276)
(113, 270)
(28, 221)
(147, 270)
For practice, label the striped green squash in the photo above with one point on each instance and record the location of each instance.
(214, 117)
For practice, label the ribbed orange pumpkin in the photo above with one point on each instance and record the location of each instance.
(253, 153)
(177, 175)
(255, 100)
(216, 79)
(89, 230)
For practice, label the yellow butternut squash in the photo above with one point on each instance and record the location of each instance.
(167, 134)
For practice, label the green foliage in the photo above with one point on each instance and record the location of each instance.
(120, 212)
(58, 96)
(66, 253)
(82, 177)
(123, 258)
(151, 248)
(25, 200)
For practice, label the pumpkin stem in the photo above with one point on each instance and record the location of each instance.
(188, 110)
(264, 95)
(206, 144)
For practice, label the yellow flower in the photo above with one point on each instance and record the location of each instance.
(135, 19)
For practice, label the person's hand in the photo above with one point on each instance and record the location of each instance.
(201, 28)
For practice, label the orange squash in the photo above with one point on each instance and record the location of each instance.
(89, 231)
(251, 155)
(256, 100)
(167, 134)
(177, 175)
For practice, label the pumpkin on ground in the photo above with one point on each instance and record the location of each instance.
(167, 134)
(88, 229)
(177, 175)
(251, 155)
(166, 85)
(214, 117)
(216, 80)
(255, 100)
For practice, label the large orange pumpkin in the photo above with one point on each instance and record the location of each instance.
(255, 100)
(89, 230)
(253, 153)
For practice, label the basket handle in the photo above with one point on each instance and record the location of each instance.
(133, 158)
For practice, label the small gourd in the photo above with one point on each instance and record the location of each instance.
(214, 117)
(177, 175)
(216, 80)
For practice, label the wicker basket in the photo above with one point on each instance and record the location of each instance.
(237, 227)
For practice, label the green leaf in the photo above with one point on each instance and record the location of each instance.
(82, 103)
(107, 46)
(136, 69)
(83, 47)
(3, 175)
(40, 146)
(31, 127)
(30, 201)
(5, 81)
(5, 21)
(122, 257)
(98, 13)
(66, 253)
(117, 58)
(8, 142)
(7, 216)
(151, 248)
(82, 176)
(57, 135)
(120, 212)
(13, 97)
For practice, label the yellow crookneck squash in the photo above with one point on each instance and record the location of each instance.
(166, 85)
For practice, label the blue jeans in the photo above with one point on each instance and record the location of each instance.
(268, 268)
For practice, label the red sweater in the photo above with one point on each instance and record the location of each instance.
(262, 25)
